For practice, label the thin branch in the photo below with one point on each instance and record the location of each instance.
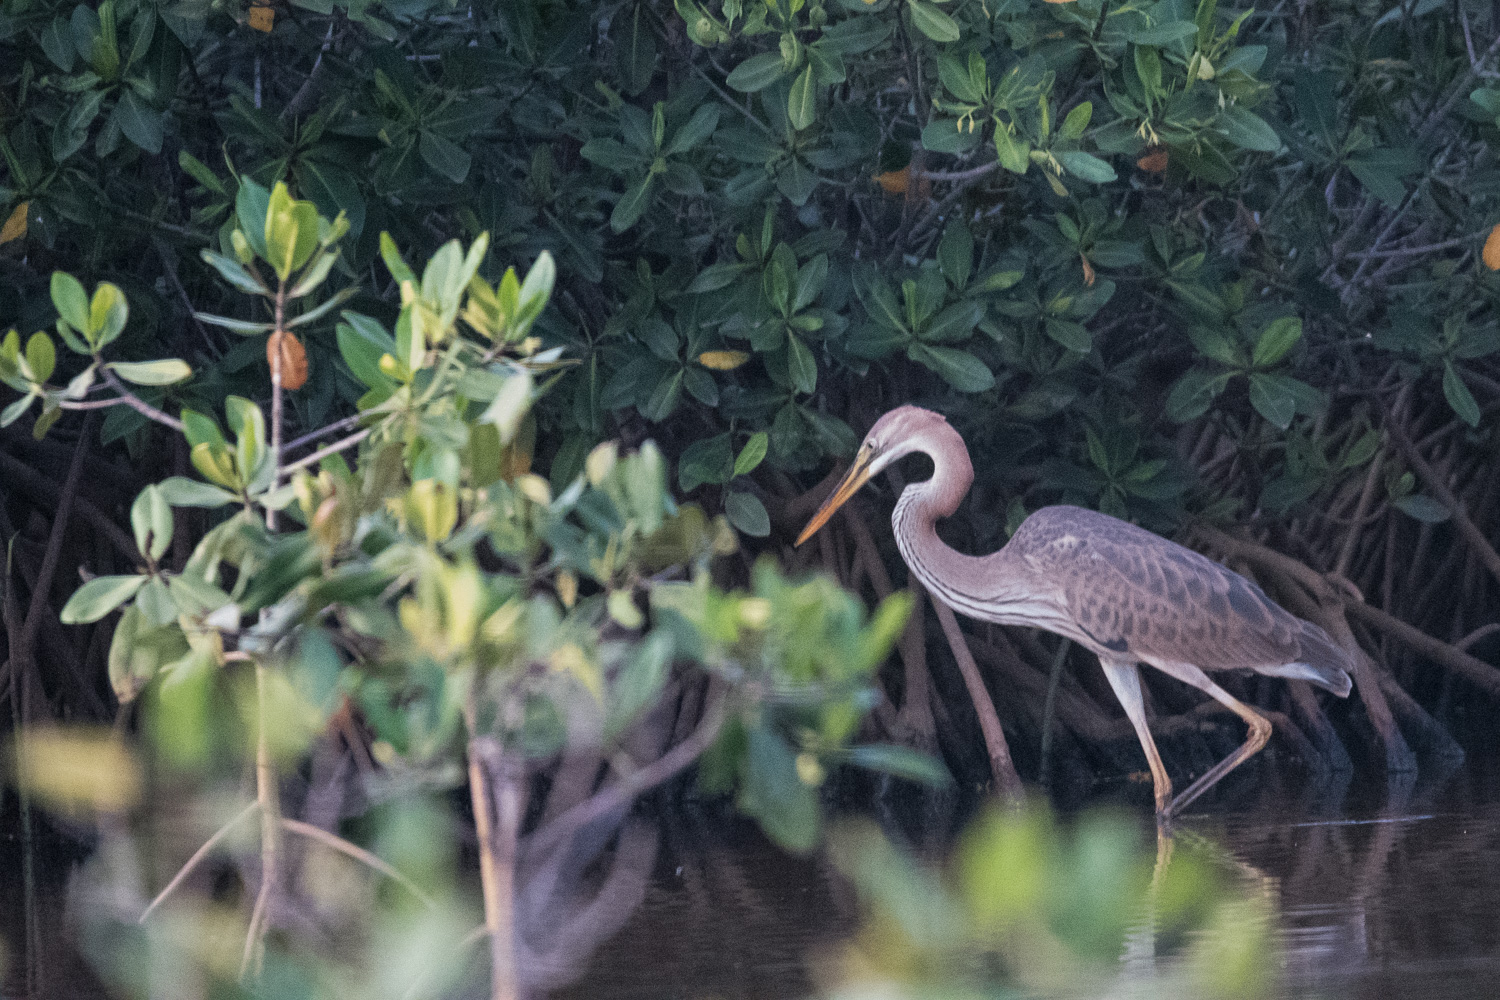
(358, 853)
(198, 856)
(1455, 242)
(322, 432)
(322, 453)
(973, 173)
(140, 405)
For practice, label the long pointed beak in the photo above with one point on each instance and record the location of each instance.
(857, 476)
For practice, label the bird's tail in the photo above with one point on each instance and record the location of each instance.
(1323, 662)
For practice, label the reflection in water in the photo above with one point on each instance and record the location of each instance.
(1380, 893)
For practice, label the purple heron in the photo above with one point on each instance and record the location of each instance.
(1127, 595)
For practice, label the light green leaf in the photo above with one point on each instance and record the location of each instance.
(71, 301)
(1014, 153)
(235, 273)
(1279, 337)
(802, 101)
(108, 312)
(168, 371)
(756, 73)
(1086, 167)
(752, 454)
(41, 356)
(151, 520)
(99, 597)
(1078, 119)
(180, 491)
(801, 365)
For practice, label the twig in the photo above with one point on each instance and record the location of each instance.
(322, 453)
(322, 432)
(1474, 636)
(198, 856)
(138, 404)
(960, 175)
(358, 853)
(1457, 241)
(1007, 782)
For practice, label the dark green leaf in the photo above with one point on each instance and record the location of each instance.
(962, 370)
(1423, 508)
(747, 513)
(1272, 401)
(902, 762)
(1248, 130)
(140, 124)
(932, 22)
(1459, 397)
(631, 205)
(708, 461)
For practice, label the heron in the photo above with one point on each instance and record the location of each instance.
(1125, 594)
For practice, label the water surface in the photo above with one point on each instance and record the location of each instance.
(1380, 892)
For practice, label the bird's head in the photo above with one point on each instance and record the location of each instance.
(898, 433)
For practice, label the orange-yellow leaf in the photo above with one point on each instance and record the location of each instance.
(1491, 249)
(1088, 271)
(723, 361)
(15, 226)
(293, 358)
(262, 17)
(1059, 1)
(1155, 160)
(894, 181)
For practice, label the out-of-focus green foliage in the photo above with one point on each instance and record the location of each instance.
(1028, 907)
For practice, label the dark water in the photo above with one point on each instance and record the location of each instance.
(1379, 892)
(1388, 892)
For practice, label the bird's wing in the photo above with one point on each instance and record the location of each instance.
(1137, 593)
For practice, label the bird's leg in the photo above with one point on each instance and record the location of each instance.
(1260, 732)
(1125, 678)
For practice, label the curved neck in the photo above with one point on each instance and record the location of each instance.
(941, 568)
